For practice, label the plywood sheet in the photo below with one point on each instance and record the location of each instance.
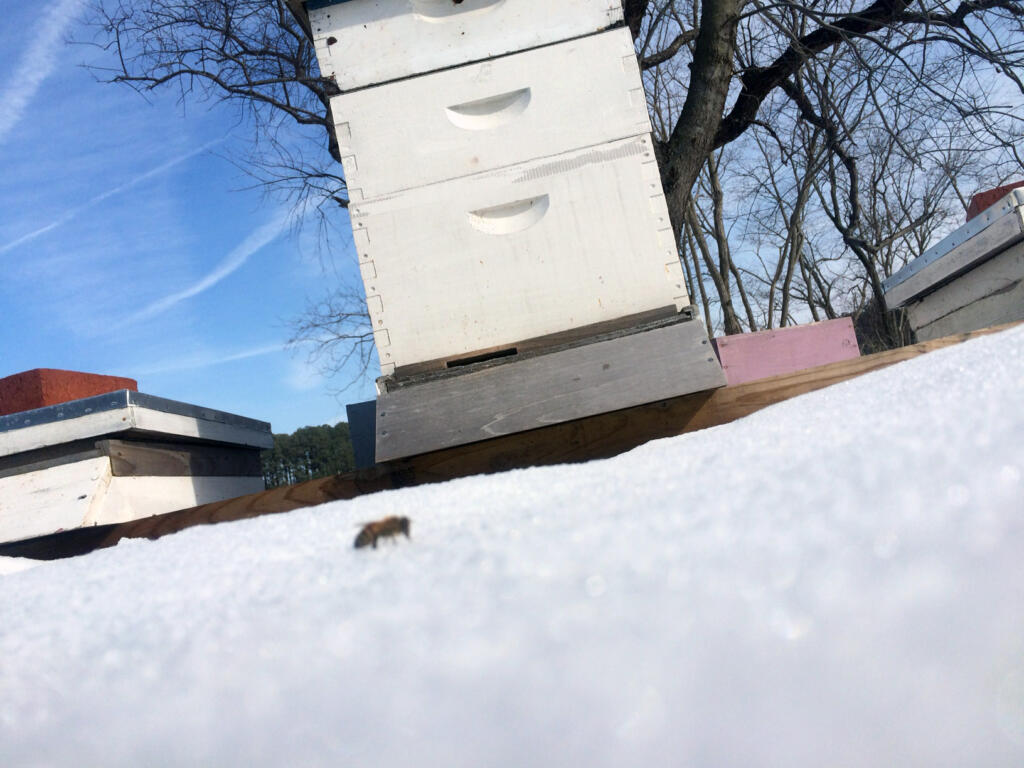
(521, 252)
(366, 42)
(491, 114)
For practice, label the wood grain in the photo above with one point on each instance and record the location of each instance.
(591, 438)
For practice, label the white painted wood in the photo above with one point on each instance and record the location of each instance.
(131, 417)
(85, 493)
(488, 115)
(517, 253)
(366, 42)
(1000, 274)
(172, 424)
(50, 500)
(55, 433)
(131, 498)
(995, 309)
(1003, 232)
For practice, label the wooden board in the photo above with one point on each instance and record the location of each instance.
(123, 412)
(52, 499)
(90, 492)
(751, 356)
(135, 497)
(483, 116)
(997, 236)
(584, 440)
(998, 307)
(608, 375)
(365, 42)
(50, 456)
(135, 458)
(998, 276)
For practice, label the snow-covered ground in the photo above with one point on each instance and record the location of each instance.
(837, 580)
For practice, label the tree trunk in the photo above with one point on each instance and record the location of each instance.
(693, 137)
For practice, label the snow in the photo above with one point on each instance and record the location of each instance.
(836, 580)
(15, 564)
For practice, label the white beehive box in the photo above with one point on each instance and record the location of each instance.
(366, 42)
(120, 456)
(525, 251)
(483, 116)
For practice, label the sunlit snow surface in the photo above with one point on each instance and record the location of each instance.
(837, 580)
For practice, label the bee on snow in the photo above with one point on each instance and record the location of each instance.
(389, 526)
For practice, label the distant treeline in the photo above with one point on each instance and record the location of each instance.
(307, 453)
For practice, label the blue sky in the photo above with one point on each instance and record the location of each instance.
(130, 244)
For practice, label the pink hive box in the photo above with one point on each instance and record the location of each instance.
(750, 356)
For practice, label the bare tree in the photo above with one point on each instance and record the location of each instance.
(253, 54)
(861, 79)
(838, 80)
(338, 331)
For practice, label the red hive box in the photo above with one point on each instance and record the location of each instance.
(983, 200)
(46, 386)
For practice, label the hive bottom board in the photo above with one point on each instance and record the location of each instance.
(650, 363)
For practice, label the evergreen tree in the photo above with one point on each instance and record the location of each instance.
(308, 453)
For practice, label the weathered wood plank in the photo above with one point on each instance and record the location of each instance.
(1001, 306)
(129, 458)
(591, 438)
(1002, 233)
(561, 386)
(51, 456)
(1000, 276)
(539, 344)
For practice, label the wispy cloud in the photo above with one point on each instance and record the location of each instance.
(71, 213)
(258, 239)
(206, 360)
(36, 64)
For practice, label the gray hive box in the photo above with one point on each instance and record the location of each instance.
(118, 457)
(972, 279)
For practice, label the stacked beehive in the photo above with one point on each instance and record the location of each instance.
(501, 172)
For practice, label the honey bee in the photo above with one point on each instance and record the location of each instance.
(389, 526)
